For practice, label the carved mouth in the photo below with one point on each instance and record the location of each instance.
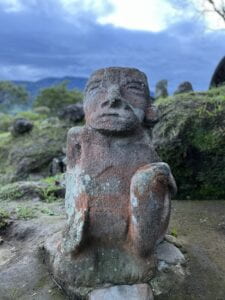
(110, 115)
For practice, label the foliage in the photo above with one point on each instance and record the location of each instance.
(25, 212)
(52, 186)
(6, 121)
(57, 97)
(4, 213)
(30, 115)
(11, 95)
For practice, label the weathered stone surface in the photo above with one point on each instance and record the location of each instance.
(21, 126)
(118, 190)
(161, 89)
(169, 253)
(73, 113)
(123, 292)
(184, 87)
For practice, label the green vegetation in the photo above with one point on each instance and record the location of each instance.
(4, 213)
(174, 232)
(11, 95)
(51, 188)
(57, 97)
(191, 138)
(25, 212)
(20, 190)
(31, 116)
(5, 122)
(31, 153)
(47, 211)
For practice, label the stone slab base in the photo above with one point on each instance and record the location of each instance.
(123, 292)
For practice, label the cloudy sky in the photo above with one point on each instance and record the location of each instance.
(167, 39)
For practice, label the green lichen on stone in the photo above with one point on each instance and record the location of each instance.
(190, 137)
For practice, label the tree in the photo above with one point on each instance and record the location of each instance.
(212, 10)
(11, 95)
(216, 6)
(57, 97)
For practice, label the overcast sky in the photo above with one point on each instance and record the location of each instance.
(163, 38)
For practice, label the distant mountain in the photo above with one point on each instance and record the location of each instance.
(33, 87)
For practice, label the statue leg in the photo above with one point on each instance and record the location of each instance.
(150, 191)
(74, 234)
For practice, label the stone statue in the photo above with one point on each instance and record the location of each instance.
(118, 190)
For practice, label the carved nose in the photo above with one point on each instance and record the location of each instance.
(112, 103)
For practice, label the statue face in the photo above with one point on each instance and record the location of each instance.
(116, 99)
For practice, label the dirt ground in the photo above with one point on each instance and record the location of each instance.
(201, 227)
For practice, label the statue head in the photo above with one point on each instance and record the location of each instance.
(118, 100)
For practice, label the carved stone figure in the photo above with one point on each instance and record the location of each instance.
(118, 190)
(161, 89)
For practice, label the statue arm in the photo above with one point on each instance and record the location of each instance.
(151, 188)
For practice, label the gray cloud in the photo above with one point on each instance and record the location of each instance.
(42, 41)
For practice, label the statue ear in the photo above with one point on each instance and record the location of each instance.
(151, 116)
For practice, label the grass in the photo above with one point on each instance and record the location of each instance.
(25, 212)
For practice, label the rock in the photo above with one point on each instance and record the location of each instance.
(169, 254)
(31, 155)
(123, 292)
(190, 137)
(73, 113)
(184, 87)
(21, 190)
(173, 240)
(27, 190)
(21, 126)
(218, 77)
(161, 89)
(57, 166)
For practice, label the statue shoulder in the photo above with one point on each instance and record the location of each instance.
(75, 132)
(74, 145)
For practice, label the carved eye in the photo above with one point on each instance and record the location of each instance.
(94, 86)
(136, 87)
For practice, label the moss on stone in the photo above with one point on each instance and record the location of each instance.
(20, 190)
(33, 152)
(190, 136)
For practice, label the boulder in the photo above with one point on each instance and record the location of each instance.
(169, 254)
(21, 190)
(161, 89)
(190, 137)
(73, 113)
(184, 87)
(31, 155)
(21, 126)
